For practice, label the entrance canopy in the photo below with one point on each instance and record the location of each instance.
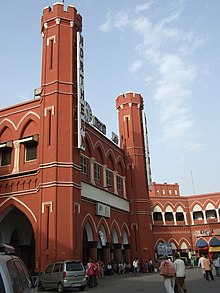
(201, 243)
(214, 249)
(214, 242)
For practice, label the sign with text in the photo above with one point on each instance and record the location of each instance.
(98, 124)
(164, 249)
(102, 210)
(80, 93)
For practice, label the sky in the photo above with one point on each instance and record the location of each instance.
(166, 50)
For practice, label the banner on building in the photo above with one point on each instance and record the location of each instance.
(164, 249)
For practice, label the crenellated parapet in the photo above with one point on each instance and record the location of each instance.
(57, 14)
(129, 99)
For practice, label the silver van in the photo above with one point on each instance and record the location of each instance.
(63, 275)
(14, 275)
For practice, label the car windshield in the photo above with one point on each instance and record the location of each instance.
(74, 266)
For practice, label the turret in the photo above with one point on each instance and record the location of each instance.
(132, 140)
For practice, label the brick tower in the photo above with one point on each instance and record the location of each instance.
(130, 116)
(60, 185)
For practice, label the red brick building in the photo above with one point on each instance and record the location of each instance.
(189, 223)
(68, 191)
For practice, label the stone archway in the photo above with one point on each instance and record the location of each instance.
(87, 243)
(16, 230)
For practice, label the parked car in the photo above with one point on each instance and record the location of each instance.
(62, 275)
(14, 275)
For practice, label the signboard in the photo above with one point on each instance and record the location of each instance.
(102, 238)
(80, 93)
(98, 124)
(102, 210)
(164, 249)
(208, 232)
(147, 152)
(114, 138)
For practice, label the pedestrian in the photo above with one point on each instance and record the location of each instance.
(136, 266)
(96, 272)
(146, 266)
(121, 268)
(109, 269)
(180, 274)
(90, 270)
(208, 268)
(216, 264)
(114, 266)
(127, 267)
(101, 269)
(201, 264)
(192, 262)
(167, 270)
(150, 266)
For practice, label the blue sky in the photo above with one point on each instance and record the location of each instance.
(166, 50)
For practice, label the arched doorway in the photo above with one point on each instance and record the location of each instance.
(16, 230)
(87, 237)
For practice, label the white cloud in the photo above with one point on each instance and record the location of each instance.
(143, 7)
(107, 25)
(148, 80)
(121, 20)
(163, 47)
(136, 65)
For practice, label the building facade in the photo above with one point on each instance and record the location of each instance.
(66, 190)
(190, 224)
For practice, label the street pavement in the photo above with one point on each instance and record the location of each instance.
(152, 283)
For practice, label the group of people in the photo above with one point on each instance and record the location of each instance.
(206, 264)
(149, 267)
(97, 269)
(174, 274)
(93, 271)
(122, 267)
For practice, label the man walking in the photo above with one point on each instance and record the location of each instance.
(201, 264)
(167, 270)
(180, 274)
(208, 268)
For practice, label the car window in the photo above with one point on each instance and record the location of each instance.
(2, 286)
(25, 276)
(49, 269)
(15, 278)
(74, 266)
(56, 268)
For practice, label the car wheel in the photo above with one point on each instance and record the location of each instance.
(82, 288)
(60, 288)
(40, 286)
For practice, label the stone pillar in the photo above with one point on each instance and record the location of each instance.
(191, 213)
(104, 168)
(107, 255)
(92, 180)
(93, 249)
(217, 214)
(204, 216)
(124, 186)
(185, 218)
(152, 217)
(16, 156)
(163, 217)
(174, 218)
(127, 248)
(115, 173)
(117, 248)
